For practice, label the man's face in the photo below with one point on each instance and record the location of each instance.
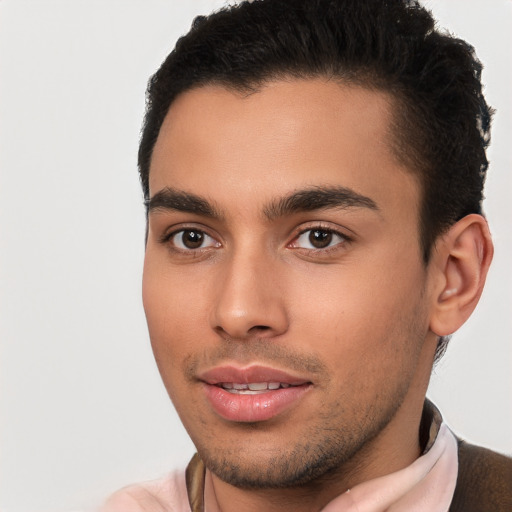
(283, 259)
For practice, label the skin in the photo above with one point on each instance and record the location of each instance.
(358, 318)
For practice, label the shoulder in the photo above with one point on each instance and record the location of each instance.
(167, 494)
(484, 482)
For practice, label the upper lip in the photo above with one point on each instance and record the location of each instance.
(248, 374)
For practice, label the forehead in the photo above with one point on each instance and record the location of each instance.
(289, 135)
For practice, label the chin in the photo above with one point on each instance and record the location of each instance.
(315, 455)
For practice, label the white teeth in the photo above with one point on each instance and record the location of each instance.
(235, 387)
(258, 386)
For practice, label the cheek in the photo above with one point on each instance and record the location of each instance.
(361, 315)
(170, 313)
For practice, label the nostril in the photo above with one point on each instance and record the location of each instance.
(259, 328)
(256, 331)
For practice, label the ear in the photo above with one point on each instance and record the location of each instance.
(460, 263)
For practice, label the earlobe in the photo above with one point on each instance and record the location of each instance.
(463, 255)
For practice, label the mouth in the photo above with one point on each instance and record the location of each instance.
(254, 393)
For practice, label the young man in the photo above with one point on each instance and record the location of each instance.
(313, 171)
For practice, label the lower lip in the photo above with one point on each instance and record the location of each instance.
(252, 408)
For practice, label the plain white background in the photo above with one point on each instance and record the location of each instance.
(83, 411)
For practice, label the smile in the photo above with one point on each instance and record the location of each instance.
(252, 393)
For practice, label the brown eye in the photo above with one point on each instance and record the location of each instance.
(320, 239)
(316, 239)
(190, 239)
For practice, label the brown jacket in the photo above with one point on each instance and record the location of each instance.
(484, 482)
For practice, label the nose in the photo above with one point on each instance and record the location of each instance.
(250, 301)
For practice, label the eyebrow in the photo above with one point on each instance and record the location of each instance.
(318, 198)
(311, 199)
(177, 200)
